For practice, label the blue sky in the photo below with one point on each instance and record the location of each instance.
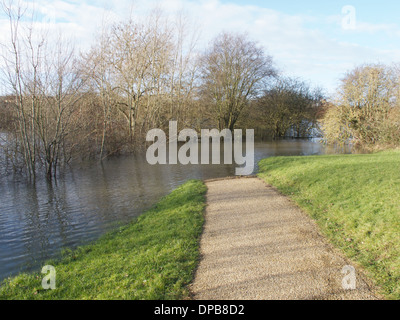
(370, 10)
(307, 39)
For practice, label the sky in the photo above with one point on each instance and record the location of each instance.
(316, 41)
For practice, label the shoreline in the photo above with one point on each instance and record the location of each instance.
(311, 183)
(151, 258)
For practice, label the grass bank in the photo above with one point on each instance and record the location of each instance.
(154, 257)
(355, 200)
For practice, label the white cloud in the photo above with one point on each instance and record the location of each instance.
(299, 49)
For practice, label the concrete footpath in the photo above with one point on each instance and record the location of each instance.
(257, 245)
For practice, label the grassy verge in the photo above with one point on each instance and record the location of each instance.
(154, 257)
(355, 199)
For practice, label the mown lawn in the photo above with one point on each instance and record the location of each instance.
(154, 257)
(355, 199)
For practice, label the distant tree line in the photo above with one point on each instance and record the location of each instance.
(138, 75)
(64, 105)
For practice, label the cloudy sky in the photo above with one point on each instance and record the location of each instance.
(315, 40)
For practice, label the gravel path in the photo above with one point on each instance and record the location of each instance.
(258, 245)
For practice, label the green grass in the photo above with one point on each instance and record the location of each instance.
(355, 200)
(154, 257)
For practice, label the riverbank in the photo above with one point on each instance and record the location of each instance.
(154, 257)
(355, 201)
(87, 201)
(353, 198)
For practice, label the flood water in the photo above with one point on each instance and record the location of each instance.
(36, 222)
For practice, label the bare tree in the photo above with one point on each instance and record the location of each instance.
(367, 97)
(289, 104)
(22, 57)
(97, 68)
(185, 71)
(146, 70)
(234, 70)
(45, 86)
(140, 61)
(61, 92)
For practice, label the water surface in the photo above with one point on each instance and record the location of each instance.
(36, 222)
